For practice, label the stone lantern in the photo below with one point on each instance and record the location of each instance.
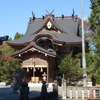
(44, 76)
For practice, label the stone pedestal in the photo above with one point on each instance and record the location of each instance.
(24, 91)
(44, 89)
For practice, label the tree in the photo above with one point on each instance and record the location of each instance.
(8, 65)
(10, 39)
(86, 28)
(7, 68)
(17, 35)
(71, 67)
(94, 20)
(7, 49)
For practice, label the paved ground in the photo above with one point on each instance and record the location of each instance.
(7, 94)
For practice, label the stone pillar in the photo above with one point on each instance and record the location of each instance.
(24, 91)
(14, 82)
(55, 89)
(64, 90)
(55, 86)
(44, 88)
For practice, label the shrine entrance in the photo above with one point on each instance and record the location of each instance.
(35, 75)
(35, 66)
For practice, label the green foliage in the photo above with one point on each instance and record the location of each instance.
(8, 49)
(92, 65)
(10, 39)
(80, 32)
(71, 67)
(8, 65)
(17, 35)
(94, 20)
(7, 69)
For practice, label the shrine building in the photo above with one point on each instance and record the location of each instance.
(46, 41)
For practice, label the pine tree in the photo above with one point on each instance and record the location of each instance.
(17, 35)
(71, 67)
(94, 20)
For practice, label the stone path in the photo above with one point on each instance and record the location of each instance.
(6, 92)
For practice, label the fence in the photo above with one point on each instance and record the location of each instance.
(83, 92)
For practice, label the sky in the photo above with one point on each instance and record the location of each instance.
(15, 14)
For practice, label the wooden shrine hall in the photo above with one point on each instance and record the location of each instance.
(46, 41)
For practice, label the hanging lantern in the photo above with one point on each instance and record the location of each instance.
(31, 68)
(27, 69)
(38, 68)
(34, 69)
(41, 69)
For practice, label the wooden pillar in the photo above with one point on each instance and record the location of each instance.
(33, 78)
(48, 70)
(47, 73)
(33, 69)
(33, 72)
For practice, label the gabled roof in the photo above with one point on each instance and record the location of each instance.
(68, 28)
(34, 47)
(60, 38)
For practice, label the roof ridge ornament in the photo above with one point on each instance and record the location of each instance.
(50, 14)
(33, 15)
(62, 16)
(73, 14)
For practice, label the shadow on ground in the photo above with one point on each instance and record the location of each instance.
(6, 93)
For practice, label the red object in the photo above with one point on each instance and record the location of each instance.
(92, 93)
(94, 80)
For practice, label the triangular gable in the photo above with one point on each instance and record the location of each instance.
(49, 22)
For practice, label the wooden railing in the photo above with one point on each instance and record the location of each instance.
(83, 92)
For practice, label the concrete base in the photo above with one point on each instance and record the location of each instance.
(34, 84)
(50, 84)
(2, 84)
(40, 84)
